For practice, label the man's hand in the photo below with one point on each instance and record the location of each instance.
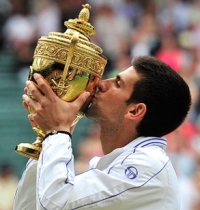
(51, 112)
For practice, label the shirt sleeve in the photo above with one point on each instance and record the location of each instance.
(25, 197)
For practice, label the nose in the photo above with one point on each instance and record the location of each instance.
(103, 85)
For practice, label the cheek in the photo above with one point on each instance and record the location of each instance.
(114, 109)
(112, 103)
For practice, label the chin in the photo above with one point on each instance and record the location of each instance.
(92, 112)
(89, 112)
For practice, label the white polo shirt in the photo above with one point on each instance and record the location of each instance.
(138, 176)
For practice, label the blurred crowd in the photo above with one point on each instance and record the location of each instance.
(166, 29)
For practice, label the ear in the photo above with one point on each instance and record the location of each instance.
(136, 111)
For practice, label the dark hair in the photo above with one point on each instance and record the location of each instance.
(165, 93)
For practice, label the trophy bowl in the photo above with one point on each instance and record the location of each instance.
(71, 64)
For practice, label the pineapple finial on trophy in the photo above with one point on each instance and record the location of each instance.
(81, 23)
(84, 13)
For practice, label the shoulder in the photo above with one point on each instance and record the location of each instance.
(147, 157)
(149, 172)
(143, 165)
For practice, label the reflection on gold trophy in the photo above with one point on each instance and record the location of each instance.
(71, 64)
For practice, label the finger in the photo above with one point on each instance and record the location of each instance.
(28, 102)
(26, 90)
(33, 92)
(82, 99)
(25, 105)
(43, 85)
(31, 119)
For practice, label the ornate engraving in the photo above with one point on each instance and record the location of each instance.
(81, 41)
(51, 51)
(87, 62)
(58, 85)
(83, 59)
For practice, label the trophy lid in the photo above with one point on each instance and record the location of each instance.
(73, 47)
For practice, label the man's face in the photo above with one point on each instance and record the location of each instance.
(109, 103)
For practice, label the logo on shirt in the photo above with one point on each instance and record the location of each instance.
(131, 172)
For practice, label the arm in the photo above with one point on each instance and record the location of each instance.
(25, 197)
(58, 187)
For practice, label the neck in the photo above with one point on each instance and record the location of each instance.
(113, 137)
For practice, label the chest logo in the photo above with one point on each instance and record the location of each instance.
(131, 172)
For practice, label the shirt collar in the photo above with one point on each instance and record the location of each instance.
(147, 141)
(102, 162)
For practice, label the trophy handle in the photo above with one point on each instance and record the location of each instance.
(62, 87)
(70, 54)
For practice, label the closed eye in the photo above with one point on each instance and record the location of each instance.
(117, 81)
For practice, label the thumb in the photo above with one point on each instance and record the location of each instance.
(82, 98)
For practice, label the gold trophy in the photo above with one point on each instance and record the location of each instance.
(71, 64)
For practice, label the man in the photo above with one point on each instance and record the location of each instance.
(135, 109)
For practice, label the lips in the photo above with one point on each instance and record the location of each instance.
(94, 98)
